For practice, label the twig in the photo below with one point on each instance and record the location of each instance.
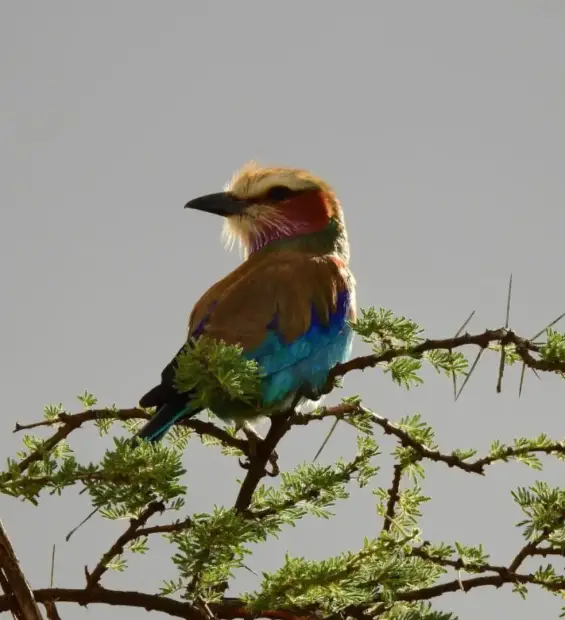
(457, 564)
(93, 578)
(337, 411)
(71, 422)
(279, 427)
(525, 551)
(465, 585)
(168, 528)
(482, 340)
(306, 495)
(422, 450)
(200, 427)
(16, 614)
(232, 608)
(48, 445)
(13, 577)
(393, 497)
(524, 349)
(256, 469)
(51, 610)
(509, 452)
(475, 467)
(532, 548)
(151, 602)
(545, 551)
(254, 438)
(532, 339)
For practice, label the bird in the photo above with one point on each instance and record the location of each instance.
(289, 305)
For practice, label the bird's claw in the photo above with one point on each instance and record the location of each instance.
(273, 462)
(254, 441)
(244, 464)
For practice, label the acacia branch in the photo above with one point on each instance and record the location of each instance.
(258, 462)
(14, 582)
(123, 598)
(423, 594)
(70, 422)
(132, 532)
(51, 610)
(167, 528)
(458, 564)
(477, 466)
(533, 548)
(524, 349)
(260, 454)
(258, 458)
(232, 608)
(393, 497)
(48, 445)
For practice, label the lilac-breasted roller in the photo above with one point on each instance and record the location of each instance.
(287, 305)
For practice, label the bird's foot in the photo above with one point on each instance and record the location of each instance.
(254, 440)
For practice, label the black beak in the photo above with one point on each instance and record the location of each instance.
(222, 203)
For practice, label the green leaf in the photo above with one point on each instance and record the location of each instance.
(403, 371)
(87, 399)
(554, 348)
(213, 369)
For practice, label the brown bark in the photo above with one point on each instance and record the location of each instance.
(14, 584)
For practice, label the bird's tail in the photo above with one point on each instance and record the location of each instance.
(156, 428)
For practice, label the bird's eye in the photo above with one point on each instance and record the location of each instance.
(279, 192)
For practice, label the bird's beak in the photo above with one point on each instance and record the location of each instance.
(221, 203)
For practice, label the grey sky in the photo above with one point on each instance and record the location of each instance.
(441, 126)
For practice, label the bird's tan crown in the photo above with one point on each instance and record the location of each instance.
(254, 181)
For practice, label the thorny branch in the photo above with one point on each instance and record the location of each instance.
(133, 532)
(51, 610)
(524, 349)
(393, 497)
(73, 421)
(424, 594)
(14, 583)
(477, 466)
(259, 455)
(232, 608)
(258, 462)
(533, 548)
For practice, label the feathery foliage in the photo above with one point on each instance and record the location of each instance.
(396, 574)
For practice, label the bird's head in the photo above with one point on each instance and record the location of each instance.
(266, 205)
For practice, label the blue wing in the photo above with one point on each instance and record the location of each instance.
(287, 366)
